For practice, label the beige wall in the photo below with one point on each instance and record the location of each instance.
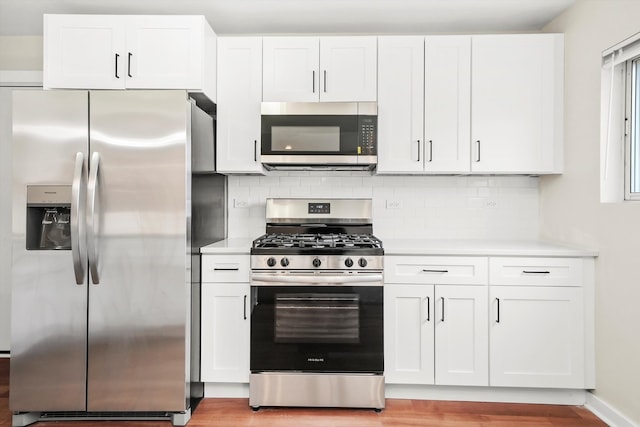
(21, 53)
(570, 207)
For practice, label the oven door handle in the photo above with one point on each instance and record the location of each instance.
(335, 279)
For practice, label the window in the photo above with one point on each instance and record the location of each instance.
(632, 125)
(620, 122)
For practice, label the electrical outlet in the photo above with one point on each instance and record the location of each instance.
(491, 203)
(394, 204)
(240, 203)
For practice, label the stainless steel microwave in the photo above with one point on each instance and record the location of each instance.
(320, 135)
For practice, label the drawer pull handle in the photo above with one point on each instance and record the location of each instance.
(426, 270)
(498, 310)
(226, 269)
(535, 272)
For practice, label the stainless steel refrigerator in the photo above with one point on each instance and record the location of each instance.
(113, 192)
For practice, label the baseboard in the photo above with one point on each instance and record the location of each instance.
(607, 413)
(486, 394)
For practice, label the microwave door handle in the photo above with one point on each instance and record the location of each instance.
(77, 219)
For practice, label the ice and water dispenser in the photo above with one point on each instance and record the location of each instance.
(48, 217)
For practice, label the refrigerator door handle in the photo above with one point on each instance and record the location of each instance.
(92, 240)
(78, 204)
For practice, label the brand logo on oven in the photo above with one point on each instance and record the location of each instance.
(315, 359)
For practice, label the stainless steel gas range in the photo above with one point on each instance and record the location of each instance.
(317, 314)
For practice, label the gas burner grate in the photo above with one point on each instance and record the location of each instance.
(318, 241)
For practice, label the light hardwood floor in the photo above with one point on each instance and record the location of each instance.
(398, 413)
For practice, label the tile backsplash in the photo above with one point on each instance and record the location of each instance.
(432, 207)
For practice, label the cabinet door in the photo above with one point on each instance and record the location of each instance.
(516, 102)
(461, 335)
(239, 95)
(348, 69)
(290, 70)
(400, 104)
(225, 332)
(408, 334)
(84, 51)
(447, 104)
(164, 52)
(537, 337)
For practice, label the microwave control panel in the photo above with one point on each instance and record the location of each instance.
(367, 135)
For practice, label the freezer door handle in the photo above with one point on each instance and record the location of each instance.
(92, 239)
(78, 204)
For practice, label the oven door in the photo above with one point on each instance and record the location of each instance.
(317, 322)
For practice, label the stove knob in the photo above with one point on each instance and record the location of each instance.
(348, 262)
(362, 262)
(271, 262)
(316, 262)
(284, 262)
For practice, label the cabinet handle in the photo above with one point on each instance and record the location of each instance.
(430, 150)
(117, 56)
(478, 150)
(442, 307)
(418, 151)
(428, 309)
(129, 65)
(325, 81)
(226, 269)
(535, 272)
(245, 307)
(255, 150)
(425, 270)
(313, 81)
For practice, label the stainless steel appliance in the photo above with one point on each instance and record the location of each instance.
(105, 297)
(317, 306)
(312, 135)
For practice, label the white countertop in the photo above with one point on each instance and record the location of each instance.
(447, 247)
(229, 246)
(462, 247)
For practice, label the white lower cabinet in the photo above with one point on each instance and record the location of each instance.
(521, 325)
(461, 339)
(537, 322)
(225, 319)
(408, 334)
(436, 320)
(436, 334)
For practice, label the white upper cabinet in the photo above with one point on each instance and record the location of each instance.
(327, 69)
(473, 104)
(516, 109)
(447, 126)
(129, 52)
(348, 66)
(239, 96)
(424, 89)
(400, 104)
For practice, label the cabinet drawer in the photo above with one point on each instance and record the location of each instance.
(225, 268)
(436, 270)
(536, 271)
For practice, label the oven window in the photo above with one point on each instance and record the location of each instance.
(317, 318)
(305, 138)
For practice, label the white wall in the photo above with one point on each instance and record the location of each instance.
(570, 207)
(21, 53)
(431, 207)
